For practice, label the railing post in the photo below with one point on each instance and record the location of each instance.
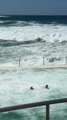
(47, 112)
(19, 62)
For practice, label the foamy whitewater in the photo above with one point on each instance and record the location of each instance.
(32, 39)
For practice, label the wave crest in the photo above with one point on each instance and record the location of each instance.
(6, 43)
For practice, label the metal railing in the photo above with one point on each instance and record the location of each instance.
(50, 60)
(37, 104)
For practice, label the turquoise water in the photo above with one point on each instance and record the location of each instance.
(15, 89)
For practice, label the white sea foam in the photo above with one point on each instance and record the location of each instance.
(49, 33)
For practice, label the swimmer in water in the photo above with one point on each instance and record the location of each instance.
(46, 86)
(31, 88)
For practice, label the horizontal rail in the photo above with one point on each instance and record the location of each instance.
(37, 104)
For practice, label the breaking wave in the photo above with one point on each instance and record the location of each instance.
(29, 31)
(6, 43)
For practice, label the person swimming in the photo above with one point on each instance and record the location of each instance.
(31, 88)
(46, 86)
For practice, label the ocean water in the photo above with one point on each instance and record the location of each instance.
(32, 38)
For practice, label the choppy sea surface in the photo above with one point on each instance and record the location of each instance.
(32, 38)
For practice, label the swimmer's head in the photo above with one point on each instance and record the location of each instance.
(46, 86)
(31, 88)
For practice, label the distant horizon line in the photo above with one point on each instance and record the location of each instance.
(28, 15)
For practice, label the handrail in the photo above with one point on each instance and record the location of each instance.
(36, 104)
